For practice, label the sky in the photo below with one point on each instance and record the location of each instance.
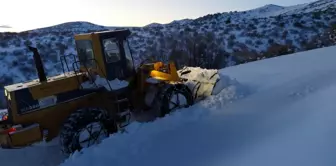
(20, 15)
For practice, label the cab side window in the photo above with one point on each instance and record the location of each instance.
(85, 53)
(111, 49)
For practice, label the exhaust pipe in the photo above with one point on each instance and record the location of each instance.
(38, 64)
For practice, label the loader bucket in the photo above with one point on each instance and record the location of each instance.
(203, 82)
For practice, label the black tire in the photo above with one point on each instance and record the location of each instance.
(79, 120)
(167, 94)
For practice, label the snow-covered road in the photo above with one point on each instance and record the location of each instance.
(282, 113)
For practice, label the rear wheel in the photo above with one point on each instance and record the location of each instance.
(84, 128)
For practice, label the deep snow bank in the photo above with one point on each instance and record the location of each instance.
(301, 133)
(288, 120)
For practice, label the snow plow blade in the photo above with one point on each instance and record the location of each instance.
(203, 82)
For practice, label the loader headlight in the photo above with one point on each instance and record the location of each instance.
(7, 95)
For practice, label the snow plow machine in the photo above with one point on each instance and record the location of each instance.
(102, 94)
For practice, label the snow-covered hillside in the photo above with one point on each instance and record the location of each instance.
(275, 10)
(213, 41)
(281, 112)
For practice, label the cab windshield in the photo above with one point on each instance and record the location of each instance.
(129, 58)
(111, 49)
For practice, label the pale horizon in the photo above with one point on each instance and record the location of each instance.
(38, 13)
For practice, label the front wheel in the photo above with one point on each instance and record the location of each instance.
(174, 97)
(84, 128)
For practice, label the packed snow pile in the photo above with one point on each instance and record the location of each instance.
(99, 82)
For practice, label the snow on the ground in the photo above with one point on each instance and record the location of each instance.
(288, 119)
(40, 154)
(282, 113)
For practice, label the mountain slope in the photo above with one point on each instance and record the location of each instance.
(213, 41)
(272, 10)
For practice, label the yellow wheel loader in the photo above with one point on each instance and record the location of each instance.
(101, 95)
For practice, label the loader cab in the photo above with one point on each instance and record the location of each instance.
(107, 53)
